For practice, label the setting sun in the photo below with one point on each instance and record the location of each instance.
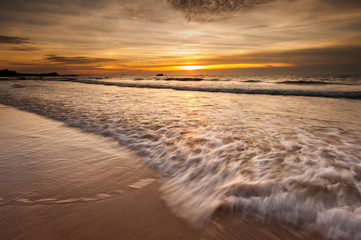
(190, 68)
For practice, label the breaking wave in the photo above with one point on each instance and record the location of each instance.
(281, 92)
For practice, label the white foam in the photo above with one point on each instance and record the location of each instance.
(88, 199)
(23, 200)
(142, 183)
(45, 200)
(103, 195)
(340, 223)
(70, 200)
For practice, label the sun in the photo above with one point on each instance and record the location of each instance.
(190, 68)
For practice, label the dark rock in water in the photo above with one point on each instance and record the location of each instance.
(8, 73)
(49, 74)
(53, 74)
(160, 75)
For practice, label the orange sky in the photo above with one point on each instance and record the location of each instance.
(181, 37)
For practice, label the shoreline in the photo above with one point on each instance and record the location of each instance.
(133, 209)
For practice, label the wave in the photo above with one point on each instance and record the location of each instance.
(252, 81)
(312, 82)
(187, 79)
(280, 92)
(183, 79)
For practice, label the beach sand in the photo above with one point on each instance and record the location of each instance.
(57, 182)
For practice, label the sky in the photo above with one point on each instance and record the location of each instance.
(181, 36)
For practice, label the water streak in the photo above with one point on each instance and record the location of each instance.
(291, 159)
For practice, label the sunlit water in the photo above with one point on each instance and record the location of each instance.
(293, 159)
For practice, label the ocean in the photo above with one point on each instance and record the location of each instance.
(283, 148)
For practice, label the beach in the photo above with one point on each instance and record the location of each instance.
(33, 206)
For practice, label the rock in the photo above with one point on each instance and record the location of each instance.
(8, 73)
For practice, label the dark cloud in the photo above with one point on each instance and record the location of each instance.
(13, 40)
(145, 11)
(343, 4)
(22, 64)
(21, 44)
(53, 58)
(24, 49)
(54, 6)
(212, 10)
(216, 10)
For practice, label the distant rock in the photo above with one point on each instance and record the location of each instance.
(9, 73)
(49, 74)
(160, 75)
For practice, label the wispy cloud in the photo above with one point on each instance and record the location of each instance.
(54, 58)
(20, 44)
(301, 57)
(24, 48)
(13, 40)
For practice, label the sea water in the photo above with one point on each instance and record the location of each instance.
(273, 148)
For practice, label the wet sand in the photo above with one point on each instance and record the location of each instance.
(83, 204)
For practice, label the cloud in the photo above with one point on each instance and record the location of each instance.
(13, 40)
(54, 6)
(22, 64)
(24, 49)
(54, 58)
(204, 11)
(343, 4)
(329, 55)
(21, 44)
(212, 10)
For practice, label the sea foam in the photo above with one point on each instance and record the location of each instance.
(287, 159)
